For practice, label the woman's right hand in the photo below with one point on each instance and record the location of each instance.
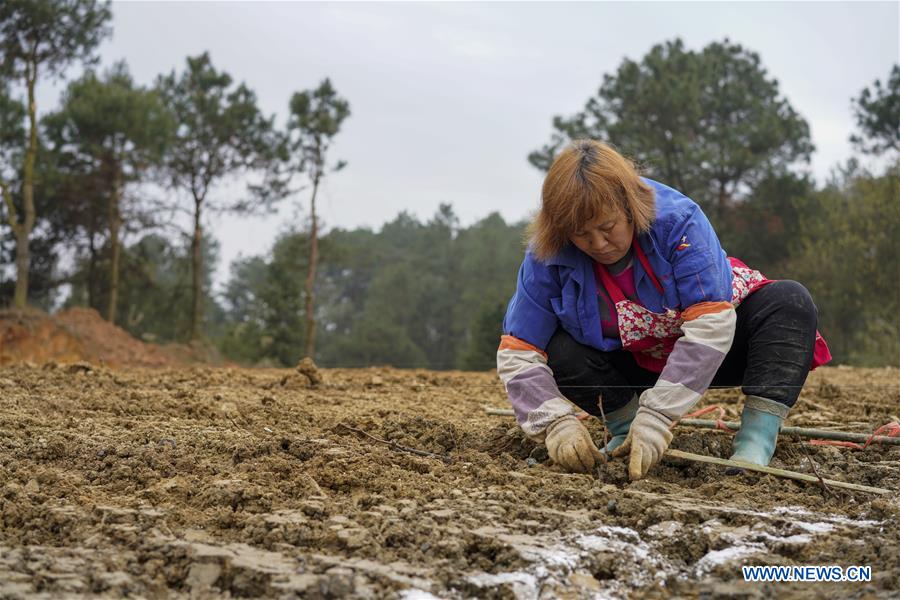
(570, 445)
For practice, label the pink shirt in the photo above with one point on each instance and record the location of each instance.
(609, 319)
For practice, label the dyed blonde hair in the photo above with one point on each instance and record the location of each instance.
(588, 179)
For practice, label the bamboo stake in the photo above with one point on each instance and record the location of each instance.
(804, 432)
(773, 471)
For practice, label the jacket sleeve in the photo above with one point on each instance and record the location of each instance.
(521, 361)
(703, 280)
(532, 391)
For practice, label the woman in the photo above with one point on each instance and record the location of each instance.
(626, 302)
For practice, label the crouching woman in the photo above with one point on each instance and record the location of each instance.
(626, 301)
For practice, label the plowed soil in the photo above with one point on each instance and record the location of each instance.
(208, 482)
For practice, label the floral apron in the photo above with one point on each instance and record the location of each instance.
(651, 336)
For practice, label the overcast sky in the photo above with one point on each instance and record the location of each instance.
(448, 99)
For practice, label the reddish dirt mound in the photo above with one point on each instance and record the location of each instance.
(76, 334)
(32, 336)
(109, 344)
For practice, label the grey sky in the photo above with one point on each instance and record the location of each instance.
(448, 99)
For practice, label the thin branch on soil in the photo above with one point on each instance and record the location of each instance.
(828, 491)
(395, 445)
(598, 470)
(605, 428)
(824, 485)
(236, 426)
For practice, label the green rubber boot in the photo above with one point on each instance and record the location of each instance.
(760, 423)
(618, 422)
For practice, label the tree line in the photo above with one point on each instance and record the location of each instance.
(73, 178)
(97, 180)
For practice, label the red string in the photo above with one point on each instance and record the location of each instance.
(888, 430)
(841, 443)
(720, 424)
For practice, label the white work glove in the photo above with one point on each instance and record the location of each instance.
(570, 445)
(647, 440)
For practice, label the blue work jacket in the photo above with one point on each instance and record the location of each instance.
(681, 247)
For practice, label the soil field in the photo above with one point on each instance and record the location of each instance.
(208, 482)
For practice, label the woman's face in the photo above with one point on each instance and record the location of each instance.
(606, 239)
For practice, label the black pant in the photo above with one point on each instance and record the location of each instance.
(770, 356)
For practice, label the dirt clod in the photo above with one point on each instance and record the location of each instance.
(307, 367)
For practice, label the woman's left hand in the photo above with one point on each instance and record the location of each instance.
(647, 441)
